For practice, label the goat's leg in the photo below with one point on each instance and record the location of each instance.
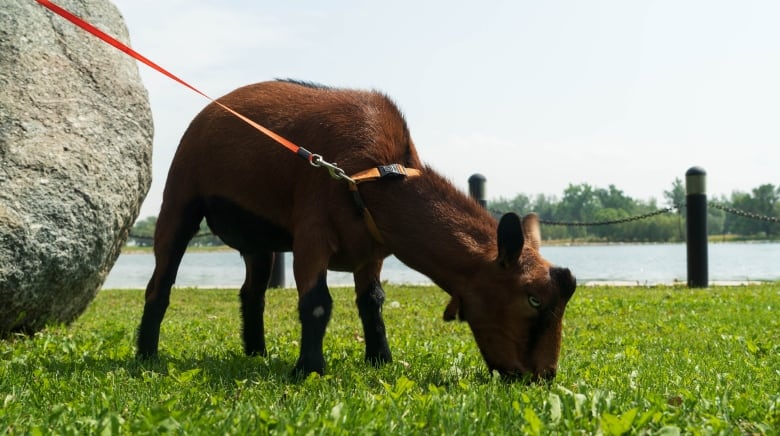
(258, 272)
(370, 297)
(314, 310)
(174, 229)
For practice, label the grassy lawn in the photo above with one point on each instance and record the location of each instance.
(659, 360)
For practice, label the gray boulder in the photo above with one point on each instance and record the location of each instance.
(75, 157)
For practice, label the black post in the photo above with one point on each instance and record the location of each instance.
(696, 226)
(477, 189)
(277, 271)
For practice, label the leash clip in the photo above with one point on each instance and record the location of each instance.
(335, 172)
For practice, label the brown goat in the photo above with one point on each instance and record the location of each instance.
(259, 199)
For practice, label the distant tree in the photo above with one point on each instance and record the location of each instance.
(675, 197)
(521, 204)
(579, 204)
(614, 198)
(716, 218)
(660, 228)
(736, 224)
(545, 206)
(204, 237)
(765, 199)
(612, 232)
(142, 233)
(763, 202)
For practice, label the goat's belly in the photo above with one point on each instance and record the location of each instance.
(243, 230)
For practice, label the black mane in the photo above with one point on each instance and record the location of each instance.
(306, 83)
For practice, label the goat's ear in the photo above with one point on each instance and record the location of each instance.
(531, 231)
(510, 239)
(453, 310)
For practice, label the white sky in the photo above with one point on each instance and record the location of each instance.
(535, 95)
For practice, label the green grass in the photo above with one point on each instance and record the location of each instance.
(658, 360)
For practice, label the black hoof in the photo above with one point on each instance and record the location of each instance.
(146, 355)
(255, 352)
(379, 360)
(304, 367)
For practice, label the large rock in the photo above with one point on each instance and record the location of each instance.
(75, 156)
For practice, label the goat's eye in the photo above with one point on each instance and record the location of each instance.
(534, 302)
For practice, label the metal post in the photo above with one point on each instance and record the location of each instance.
(696, 226)
(477, 189)
(277, 271)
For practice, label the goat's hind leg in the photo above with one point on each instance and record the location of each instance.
(258, 272)
(173, 231)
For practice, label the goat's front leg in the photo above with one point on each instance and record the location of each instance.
(314, 310)
(370, 297)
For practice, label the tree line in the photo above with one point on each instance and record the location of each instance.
(142, 234)
(583, 203)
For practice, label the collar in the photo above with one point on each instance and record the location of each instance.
(390, 172)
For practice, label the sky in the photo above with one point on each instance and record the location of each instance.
(534, 95)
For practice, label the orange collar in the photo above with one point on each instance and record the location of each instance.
(392, 171)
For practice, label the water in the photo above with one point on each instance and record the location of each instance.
(642, 264)
(666, 263)
(226, 269)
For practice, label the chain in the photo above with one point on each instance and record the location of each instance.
(714, 205)
(743, 213)
(607, 222)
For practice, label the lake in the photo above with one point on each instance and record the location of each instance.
(643, 264)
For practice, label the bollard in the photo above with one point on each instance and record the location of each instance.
(277, 271)
(696, 226)
(477, 189)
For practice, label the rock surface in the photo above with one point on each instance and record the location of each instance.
(75, 159)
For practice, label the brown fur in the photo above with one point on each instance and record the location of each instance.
(259, 198)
